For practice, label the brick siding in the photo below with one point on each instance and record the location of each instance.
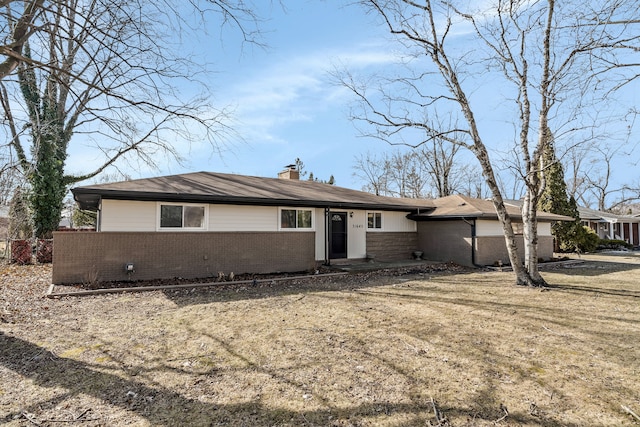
(391, 246)
(88, 256)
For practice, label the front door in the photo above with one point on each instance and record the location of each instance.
(338, 243)
(625, 231)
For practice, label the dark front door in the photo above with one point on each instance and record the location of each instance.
(625, 231)
(338, 242)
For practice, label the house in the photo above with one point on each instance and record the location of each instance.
(199, 224)
(611, 226)
(479, 237)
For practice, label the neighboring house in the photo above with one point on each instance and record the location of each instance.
(479, 235)
(200, 224)
(612, 226)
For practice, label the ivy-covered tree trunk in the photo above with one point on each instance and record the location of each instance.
(45, 171)
(47, 187)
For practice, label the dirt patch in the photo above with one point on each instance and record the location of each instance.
(390, 348)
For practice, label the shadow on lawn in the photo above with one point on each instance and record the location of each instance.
(163, 407)
(575, 289)
(591, 268)
(230, 291)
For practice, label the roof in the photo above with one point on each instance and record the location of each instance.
(458, 206)
(599, 216)
(219, 188)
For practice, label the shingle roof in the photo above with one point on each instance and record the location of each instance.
(457, 206)
(599, 216)
(209, 187)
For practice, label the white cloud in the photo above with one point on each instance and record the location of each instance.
(294, 89)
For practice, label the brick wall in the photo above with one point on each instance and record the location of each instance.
(88, 256)
(446, 241)
(391, 246)
(493, 248)
(451, 241)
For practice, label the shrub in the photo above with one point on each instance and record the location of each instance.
(583, 239)
(613, 244)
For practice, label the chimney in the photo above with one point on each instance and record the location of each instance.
(289, 172)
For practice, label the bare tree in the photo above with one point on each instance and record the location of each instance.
(545, 52)
(373, 171)
(576, 162)
(428, 171)
(22, 19)
(439, 159)
(107, 73)
(17, 24)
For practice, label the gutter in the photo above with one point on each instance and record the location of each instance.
(89, 199)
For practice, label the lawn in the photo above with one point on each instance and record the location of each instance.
(462, 348)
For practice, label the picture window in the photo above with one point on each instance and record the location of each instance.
(182, 217)
(296, 218)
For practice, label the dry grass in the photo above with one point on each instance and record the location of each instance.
(367, 351)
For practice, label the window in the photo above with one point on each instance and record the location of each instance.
(295, 218)
(374, 220)
(187, 217)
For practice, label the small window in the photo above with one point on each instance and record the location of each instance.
(182, 217)
(374, 220)
(296, 218)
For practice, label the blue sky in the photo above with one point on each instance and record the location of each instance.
(287, 106)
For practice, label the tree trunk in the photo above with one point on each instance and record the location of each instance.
(522, 274)
(530, 235)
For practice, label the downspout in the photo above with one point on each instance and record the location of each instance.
(473, 242)
(99, 217)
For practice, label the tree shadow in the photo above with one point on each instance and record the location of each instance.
(282, 287)
(590, 268)
(576, 289)
(163, 407)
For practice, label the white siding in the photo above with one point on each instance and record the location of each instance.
(544, 229)
(487, 227)
(119, 215)
(397, 222)
(357, 234)
(126, 215)
(243, 218)
(320, 237)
